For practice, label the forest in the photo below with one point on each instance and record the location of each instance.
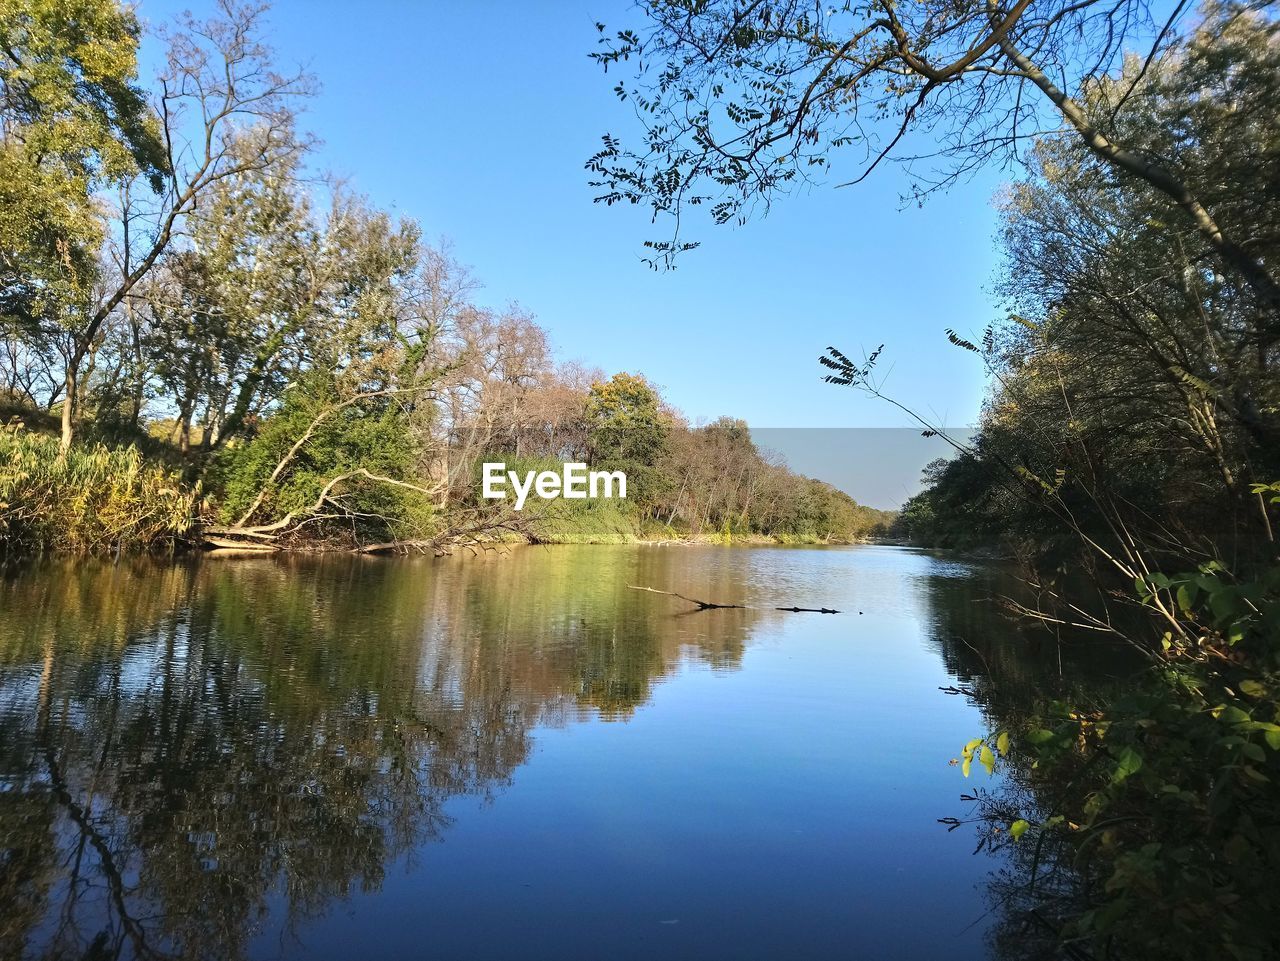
(206, 341)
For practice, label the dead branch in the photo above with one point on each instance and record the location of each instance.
(711, 605)
(702, 605)
(468, 529)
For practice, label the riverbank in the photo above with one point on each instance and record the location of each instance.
(105, 498)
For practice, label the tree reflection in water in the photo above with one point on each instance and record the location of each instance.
(1011, 669)
(186, 748)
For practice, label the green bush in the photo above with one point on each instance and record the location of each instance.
(1152, 822)
(369, 437)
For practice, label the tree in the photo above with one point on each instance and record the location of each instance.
(222, 111)
(270, 287)
(1132, 366)
(72, 120)
(628, 432)
(743, 101)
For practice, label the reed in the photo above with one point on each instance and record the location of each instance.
(93, 499)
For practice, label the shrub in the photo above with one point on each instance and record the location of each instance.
(371, 437)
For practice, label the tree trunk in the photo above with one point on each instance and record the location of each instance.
(70, 389)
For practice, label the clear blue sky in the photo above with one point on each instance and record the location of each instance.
(475, 118)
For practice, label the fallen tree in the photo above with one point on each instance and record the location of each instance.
(471, 529)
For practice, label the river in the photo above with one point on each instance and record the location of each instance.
(510, 756)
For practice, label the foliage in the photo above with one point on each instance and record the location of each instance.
(73, 117)
(271, 288)
(1159, 808)
(627, 432)
(91, 499)
(1134, 385)
(111, 177)
(371, 436)
(576, 521)
(741, 104)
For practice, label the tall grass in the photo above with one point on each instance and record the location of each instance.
(94, 499)
(584, 522)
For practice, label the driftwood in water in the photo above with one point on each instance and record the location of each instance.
(711, 605)
(222, 543)
(702, 605)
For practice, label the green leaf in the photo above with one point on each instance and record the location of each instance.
(1230, 714)
(987, 759)
(1128, 763)
(1252, 688)
(1018, 828)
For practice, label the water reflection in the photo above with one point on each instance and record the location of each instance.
(182, 741)
(194, 754)
(1011, 668)
(989, 648)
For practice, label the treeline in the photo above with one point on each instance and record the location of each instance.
(233, 349)
(1136, 393)
(1128, 455)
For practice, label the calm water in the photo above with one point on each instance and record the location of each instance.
(498, 757)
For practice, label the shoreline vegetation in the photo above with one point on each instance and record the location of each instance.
(101, 498)
(203, 339)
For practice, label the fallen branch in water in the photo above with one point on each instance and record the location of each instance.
(711, 605)
(702, 605)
